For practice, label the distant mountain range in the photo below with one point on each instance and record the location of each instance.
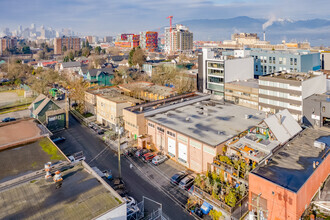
(316, 31)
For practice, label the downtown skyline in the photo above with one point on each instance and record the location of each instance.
(110, 18)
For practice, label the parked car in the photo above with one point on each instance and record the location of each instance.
(118, 184)
(140, 152)
(159, 159)
(176, 178)
(8, 119)
(130, 201)
(58, 139)
(148, 157)
(130, 151)
(76, 157)
(100, 131)
(187, 182)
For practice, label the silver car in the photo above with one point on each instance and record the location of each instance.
(159, 159)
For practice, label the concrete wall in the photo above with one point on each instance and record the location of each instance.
(239, 69)
(314, 85)
(325, 59)
(135, 123)
(198, 154)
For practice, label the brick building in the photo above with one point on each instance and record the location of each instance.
(7, 43)
(285, 185)
(70, 43)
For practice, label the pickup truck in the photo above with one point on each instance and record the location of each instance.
(76, 157)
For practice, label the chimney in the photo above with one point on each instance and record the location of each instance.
(280, 120)
(264, 35)
(314, 166)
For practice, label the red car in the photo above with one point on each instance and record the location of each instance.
(148, 157)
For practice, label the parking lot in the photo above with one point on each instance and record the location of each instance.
(141, 179)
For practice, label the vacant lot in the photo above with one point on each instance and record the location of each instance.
(7, 98)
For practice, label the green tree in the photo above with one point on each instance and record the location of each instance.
(230, 199)
(216, 215)
(66, 59)
(97, 50)
(87, 44)
(104, 51)
(64, 49)
(130, 57)
(83, 44)
(85, 51)
(26, 50)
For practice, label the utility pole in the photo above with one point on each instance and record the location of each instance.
(66, 111)
(257, 206)
(119, 164)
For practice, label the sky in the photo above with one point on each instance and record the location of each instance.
(110, 17)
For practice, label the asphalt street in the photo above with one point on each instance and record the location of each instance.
(140, 182)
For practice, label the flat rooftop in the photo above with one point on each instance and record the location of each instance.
(294, 76)
(292, 165)
(149, 87)
(16, 132)
(209, 121)
(81, 196)
(251, 83)
(114, 94)
(159, 104)
(23, 159)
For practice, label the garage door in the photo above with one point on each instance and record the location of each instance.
(183, 153)
(171, 147)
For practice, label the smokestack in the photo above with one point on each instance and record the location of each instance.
(264, 35)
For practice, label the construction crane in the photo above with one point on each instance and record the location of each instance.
(170, 17)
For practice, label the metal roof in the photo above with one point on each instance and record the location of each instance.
(283, 125)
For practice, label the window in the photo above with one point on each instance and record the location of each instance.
(151, 125)
(295, 61)
(170, 133)
(215, 79)
(160, 129)
(256, 68)
(323, 108)
(280, 60)
(291, 61)
(274, 59)
(216, 65)
(215, 72)
(270, 59)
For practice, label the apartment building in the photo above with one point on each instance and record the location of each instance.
(216, 69)
(271, 61)
(288, 90)
(149, 40)
(7, 43)
(284, 186)
(243, 92)
(108, 104)
(180, 39)
(70, 43)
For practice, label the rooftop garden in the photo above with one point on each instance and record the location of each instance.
(215, 185)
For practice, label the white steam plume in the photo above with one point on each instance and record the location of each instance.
(268, 23)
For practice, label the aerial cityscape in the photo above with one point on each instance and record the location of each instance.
(159, 110)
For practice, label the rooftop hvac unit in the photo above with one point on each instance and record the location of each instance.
(187, 119)
(319, 144)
